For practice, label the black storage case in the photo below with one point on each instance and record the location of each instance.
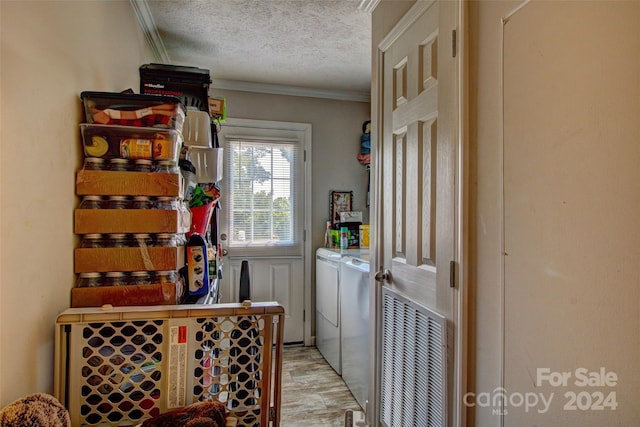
(190, 84)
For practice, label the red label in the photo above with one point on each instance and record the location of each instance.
(182, 334)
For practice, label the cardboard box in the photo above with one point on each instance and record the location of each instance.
(114, 183)
(106, 221)
(155, 294)
(87, 260)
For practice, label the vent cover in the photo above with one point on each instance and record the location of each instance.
(414, 364)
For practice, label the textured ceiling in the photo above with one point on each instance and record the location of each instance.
(320, 45)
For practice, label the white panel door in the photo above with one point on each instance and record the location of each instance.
(263, 214)
(418, 146)
(272, 280)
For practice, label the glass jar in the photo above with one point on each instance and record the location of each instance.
(166, 203)
(117, 202)
(140, 278)
(94, 164)
(92, 202)
(118, 164)
(166, 239)
(167, 276)
(142, 240)
(181, 239)
(115, 278)
(141, 202)
(89, 280)
(93, 241)
(117, 240)
(143, 165)
(167, 166)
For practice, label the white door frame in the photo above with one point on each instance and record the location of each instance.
(460, 352)
(307, 246)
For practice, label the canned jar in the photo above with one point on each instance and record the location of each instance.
(93, 241)
(166, 203)
(115, 278)
(140, 278)
(92, 202)
(142, 240)
(118, 164)
(136, 148)
(166, 239)
(141, 202)
(89, 280)
(117, 202)
(166, 276)
(143, 165)
(167, 166)
(117, 240)
(94, 164)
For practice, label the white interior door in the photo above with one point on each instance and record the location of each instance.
(263, 215)
(416, 233)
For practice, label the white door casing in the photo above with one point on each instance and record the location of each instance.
(277, 274)
(417, 179)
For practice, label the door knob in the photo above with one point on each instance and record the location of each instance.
(383, 276)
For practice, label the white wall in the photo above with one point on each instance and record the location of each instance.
(51, 51)
(569, 289)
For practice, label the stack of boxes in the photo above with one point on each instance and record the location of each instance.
(132, 219)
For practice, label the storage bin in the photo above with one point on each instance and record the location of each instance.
(127, 109)
(130, 142)
(208, 163)
(197, 130)
(190, 84)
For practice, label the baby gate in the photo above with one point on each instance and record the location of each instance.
(117, 366)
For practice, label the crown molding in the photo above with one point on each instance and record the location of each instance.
(368, 5)
(148, 27)
(273, 89)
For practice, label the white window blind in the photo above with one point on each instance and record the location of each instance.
(263, 192)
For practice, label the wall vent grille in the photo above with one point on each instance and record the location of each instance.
(414, 364)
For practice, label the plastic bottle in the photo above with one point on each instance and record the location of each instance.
(327, 235)
(344, 238)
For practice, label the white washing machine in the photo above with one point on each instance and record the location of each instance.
(328, 306)
(354, 324)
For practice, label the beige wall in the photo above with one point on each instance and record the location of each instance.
(336, 129)
(51, 51)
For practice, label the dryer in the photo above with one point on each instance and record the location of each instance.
(354, 328)
(328, 306)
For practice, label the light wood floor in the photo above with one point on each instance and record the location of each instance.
(312, 393)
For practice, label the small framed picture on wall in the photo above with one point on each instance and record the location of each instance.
(339, 201)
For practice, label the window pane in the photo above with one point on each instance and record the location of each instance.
(263, 175)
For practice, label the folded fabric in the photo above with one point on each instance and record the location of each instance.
(201, 414)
